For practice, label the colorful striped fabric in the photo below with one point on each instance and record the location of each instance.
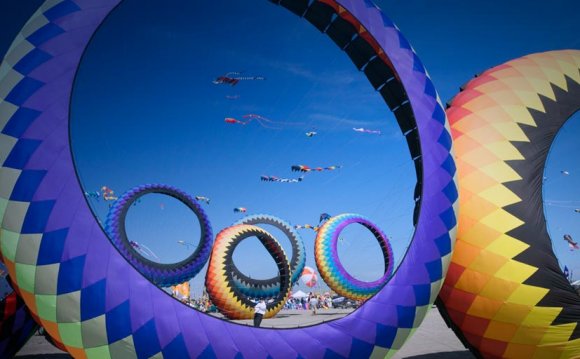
(505, 292)
(87, 296)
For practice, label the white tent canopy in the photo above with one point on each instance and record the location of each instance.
(300, 294)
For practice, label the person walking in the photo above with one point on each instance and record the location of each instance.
(259, 311)
(313, 302)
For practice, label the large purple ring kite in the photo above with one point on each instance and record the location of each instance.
(328, 263)
(97, 304)
(163, 275)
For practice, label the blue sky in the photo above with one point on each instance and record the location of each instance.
(144, 110)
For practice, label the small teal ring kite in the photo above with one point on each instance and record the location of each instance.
(269, 288)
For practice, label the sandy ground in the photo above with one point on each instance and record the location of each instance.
(433, 340)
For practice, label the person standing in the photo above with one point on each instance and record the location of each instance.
(313, 302)
(259, 311)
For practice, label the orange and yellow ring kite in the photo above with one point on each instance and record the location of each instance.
(229, 299)
(504, 292)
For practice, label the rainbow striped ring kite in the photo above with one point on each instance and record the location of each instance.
(229, 299)
(163, 275)
(96, 303)
(269, 288)
(328, 263)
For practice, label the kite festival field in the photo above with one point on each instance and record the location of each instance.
(433, 340)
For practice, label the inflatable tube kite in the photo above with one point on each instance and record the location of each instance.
(97, 304)
(269, 288)
(328, 263)
(163, 275)
(219, 278)
(505, 293)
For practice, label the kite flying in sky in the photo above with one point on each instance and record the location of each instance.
(261, 120)
(232, 78)
(307, 226)
(323, 218)
(94, 194)
(282, 180)
(304, 168)
(364, 130)
(233, 120)
(108, 194)
(144, 250)
(202, 198)
(573, 245)
(240, 210)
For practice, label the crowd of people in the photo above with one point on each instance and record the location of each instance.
(202, 304)
(312, 302)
